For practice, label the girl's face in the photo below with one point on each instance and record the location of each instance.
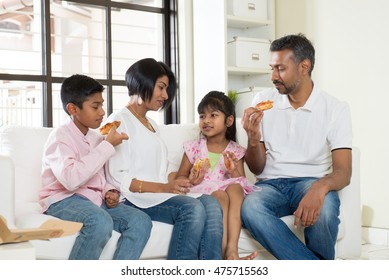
(160, 94)
(91, 115)
(212, 122)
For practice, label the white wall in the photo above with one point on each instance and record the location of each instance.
(352, 43)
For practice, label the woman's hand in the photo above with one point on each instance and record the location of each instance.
(178, 186)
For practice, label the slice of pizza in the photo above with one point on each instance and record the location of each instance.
(107, 127)
(201, 164)
(264, 105)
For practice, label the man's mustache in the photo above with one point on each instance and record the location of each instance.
(275, 82)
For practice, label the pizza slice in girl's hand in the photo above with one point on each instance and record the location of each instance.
(201, 164)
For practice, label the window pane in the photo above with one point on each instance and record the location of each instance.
(20, 103)
(150, 3)
(78, 39)
(135, 35)
(20, 37)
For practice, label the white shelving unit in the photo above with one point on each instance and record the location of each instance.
(237, 26)
(213, 28)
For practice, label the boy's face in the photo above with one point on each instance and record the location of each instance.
(91, 115)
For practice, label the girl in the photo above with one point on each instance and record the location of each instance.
(225, 178)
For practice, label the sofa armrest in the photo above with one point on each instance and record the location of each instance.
(7, 197)
(349, 247)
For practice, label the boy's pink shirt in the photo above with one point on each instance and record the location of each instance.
(73, 163)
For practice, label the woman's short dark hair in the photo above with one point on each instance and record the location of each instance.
(77, 88)
(142, 76)
(216, 100)
(301, 47)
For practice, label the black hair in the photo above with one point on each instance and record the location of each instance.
(216, 100)
(301, 47)
(77, 88)
(142, 76)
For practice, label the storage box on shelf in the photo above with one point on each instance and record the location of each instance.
(248, 53)
(251, 9)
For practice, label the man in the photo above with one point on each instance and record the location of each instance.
(300, 151)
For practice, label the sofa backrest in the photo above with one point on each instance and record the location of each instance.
(174, 136)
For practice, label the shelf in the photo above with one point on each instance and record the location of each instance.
(240, 22)
(247, 71)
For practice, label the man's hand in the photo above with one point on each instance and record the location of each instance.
(310, 206)
(250, 122)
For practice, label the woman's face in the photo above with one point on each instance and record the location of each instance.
(160, 94)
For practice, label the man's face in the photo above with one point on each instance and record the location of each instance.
(286, 73)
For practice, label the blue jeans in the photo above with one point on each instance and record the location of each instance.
(98, 223)
(198, 226)
(261, 212)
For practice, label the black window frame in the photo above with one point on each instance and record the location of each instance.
(170, 49)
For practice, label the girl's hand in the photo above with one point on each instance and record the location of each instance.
(196, 178)
(230, 161)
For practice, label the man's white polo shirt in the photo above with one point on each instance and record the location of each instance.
(299, 141)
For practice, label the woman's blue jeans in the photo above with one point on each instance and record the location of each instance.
(98, 223)
(261, 212)
(198, 226)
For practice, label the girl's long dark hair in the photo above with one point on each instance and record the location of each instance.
(216, 100)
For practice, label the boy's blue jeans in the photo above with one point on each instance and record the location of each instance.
(261, 212)
(134, 226)
(198, 226)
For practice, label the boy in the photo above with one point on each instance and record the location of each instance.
(73, 177)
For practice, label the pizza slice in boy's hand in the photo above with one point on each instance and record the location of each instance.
(104, 130)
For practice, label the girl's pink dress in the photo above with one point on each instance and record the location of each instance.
(217, 178)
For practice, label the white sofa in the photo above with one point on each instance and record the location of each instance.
(20, 167)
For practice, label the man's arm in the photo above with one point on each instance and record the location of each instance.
(341, 171)
(310, 206)
(256, 153)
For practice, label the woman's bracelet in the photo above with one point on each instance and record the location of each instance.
(140, 186)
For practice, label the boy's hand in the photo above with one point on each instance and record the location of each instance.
(112, 198)
(116, 138)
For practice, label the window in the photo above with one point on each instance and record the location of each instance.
(44, 41)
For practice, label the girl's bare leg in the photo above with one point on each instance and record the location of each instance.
(234, 223)
(222, 197)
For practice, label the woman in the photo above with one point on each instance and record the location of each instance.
(140, 168)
